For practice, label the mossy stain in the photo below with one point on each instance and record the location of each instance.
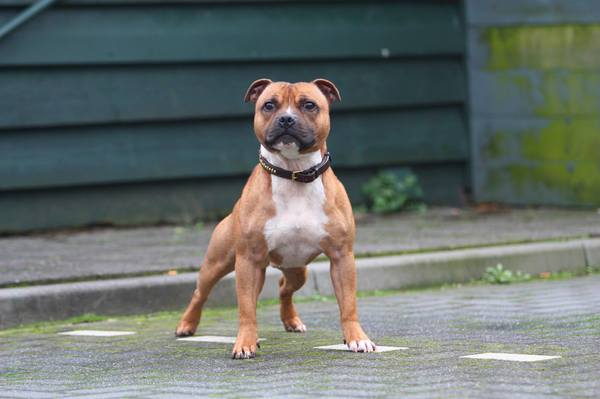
(555, 69)
(566, 46)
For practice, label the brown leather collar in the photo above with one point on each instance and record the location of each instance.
(303, 176)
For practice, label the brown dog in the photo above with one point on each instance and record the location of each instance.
(292, 209)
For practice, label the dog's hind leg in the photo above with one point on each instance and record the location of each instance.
(292, 280)
(219, 261)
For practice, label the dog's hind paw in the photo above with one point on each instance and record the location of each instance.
(294, 325)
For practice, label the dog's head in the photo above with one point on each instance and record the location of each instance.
(292, 118)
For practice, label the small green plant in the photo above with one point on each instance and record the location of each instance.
(387, 193)
(500, 275)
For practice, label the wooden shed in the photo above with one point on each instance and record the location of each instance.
(129, 112)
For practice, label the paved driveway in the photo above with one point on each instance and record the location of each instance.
(88, 254)
(555, 318)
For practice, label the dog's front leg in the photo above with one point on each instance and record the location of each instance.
(343, 277)
(247, 275)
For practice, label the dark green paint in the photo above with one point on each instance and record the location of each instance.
(71, 95)
(204, 32)
(128, 153)
(130, 112)
(178, 201)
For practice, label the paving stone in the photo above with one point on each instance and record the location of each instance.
(107, 252)
(438, 326)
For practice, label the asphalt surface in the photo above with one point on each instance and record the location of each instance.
(115, 252)
(438, 326)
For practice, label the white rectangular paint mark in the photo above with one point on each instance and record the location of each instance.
(212, 338)
(513, 357)
(344, 347)
(97, 333)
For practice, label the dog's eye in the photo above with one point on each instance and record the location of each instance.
(309, 106)
(269, 106)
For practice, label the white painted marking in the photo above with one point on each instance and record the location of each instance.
(212, 338)
(344, 347)
(513, 357)
(97, 333)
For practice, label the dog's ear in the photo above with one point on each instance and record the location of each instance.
(255, 89)
(328, 88)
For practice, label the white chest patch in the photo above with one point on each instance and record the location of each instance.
(296, 230)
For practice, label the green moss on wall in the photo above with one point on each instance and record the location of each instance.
(572, 140)
(568, 46)
(578, 182)
(568, 159)
(569, 93)
(496, 147)
(559, 76)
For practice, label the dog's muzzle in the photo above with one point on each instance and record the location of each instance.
(302, 139)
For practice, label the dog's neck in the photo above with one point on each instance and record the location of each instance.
(292, 160)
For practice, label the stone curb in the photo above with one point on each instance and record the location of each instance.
(158, 293)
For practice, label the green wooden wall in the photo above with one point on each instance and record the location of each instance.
(534, 78)
(130, 112)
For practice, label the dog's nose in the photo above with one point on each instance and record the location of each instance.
(286, 121)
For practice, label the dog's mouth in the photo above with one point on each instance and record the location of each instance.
(289, 139)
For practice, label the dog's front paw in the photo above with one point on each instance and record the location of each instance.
(186, 328)
(245, 347)
(294, 324)
(361, 345)
(356, 339)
